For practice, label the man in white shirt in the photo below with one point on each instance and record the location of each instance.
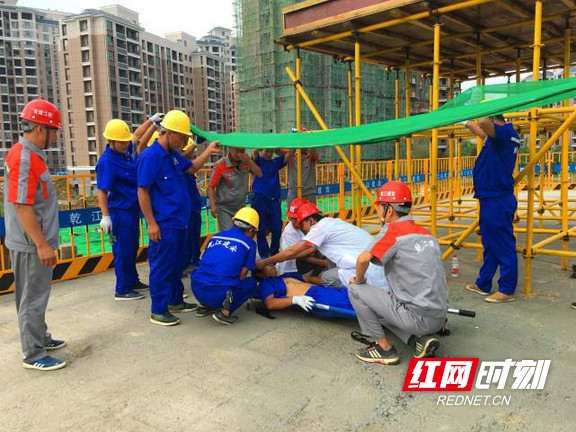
(339, 241)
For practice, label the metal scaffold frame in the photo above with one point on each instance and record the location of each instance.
(547, 124)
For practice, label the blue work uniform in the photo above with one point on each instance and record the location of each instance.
(226, 254)
(335, 297)
(266, 201)
(116, 173)
(163, 173)
(494, 188)
(194, 223)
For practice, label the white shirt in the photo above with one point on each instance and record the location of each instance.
(342, 242)
(290, 237)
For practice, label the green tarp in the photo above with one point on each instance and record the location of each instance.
(479, 101)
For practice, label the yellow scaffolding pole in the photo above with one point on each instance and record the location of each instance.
(323, 125)
(298, 126)
(358, 121)
(528, 252)
(434, 149)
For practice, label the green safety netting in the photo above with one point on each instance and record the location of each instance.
(476, 102)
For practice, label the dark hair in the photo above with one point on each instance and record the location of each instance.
(316, 217)
(401, 210)
(499, 117)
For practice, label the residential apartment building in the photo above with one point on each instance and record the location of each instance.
(214, 65)
(28, 70)
(112, 68)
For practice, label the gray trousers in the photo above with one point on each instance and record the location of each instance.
(33, 282)
(225, 215)
(376, 308)
(292, 196)
(330, 278)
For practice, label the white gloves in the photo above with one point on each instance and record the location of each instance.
(463, 123)
(305, 302)
(106, 224)
(156, 118)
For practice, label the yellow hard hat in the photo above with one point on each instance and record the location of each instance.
(189, 144)
(117, 130)
(177, 121)
(248, 215)
(153, 138)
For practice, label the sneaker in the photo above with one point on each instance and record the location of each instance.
(165, 319)
(46, 363)
(574, 305)
(203, 311)
(499, 297)
(425, 346)
(183, 307)
(474, 288)
(132, 295)
(223, 319)
(374, 353)
(140, 286)
(55, 344)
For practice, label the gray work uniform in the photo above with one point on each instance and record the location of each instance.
(418, 300)
(28, 182)
(230, 183)
(308, 178)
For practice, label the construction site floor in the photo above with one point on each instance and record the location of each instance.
(293, 373)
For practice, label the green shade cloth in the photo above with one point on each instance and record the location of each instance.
(476, 102)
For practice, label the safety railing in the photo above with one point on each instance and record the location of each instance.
(81, 236)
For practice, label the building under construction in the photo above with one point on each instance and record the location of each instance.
(266, 101)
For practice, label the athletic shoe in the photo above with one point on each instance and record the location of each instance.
(362, 338)
(183, 307)
(474, 288)
(46, 363)
(55, 344)
(132, 295)
(140, 286)
(165, 319)
(499, 297)
(574, 305)
(376, 354)
(223, 319)
(203, 311)
(425, 346)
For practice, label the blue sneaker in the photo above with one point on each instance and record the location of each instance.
(132, 295)
(55, 344)
(46, 363)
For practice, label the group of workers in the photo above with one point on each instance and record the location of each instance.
(394, 281)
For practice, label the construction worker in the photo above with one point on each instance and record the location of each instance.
(494, 187)
(281, 292)
(292, 234)
(417, 302)
(195, 221)
(32, 230)
(164, 201)
(309, 159)
(228, 186)
(266, 199)
(337, 240)
(221, 283)
(118, 200)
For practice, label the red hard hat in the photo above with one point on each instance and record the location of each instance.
(42, 112)
(394, 192)
(306, 210)
(292, 210)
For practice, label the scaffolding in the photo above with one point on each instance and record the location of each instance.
(457, 40)
(266, 100)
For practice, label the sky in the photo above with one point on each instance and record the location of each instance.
(158, 17)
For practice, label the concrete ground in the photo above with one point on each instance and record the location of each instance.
(294, 373)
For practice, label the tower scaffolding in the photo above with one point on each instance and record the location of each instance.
(460, 41)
